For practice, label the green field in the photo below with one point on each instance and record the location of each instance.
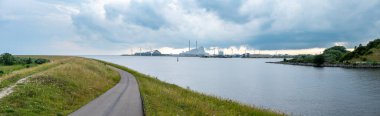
(18, 63)
(9, 69)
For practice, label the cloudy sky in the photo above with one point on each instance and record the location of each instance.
(120, 26)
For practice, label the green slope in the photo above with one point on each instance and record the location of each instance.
(373, 57)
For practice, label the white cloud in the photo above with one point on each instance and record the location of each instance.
(340, 43)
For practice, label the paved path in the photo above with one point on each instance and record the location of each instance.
(122, 100)
(6, 91)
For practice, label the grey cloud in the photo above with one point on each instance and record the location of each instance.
(137, 13)
(293, 24)
(226, 9)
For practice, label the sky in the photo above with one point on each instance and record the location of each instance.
(111, 27)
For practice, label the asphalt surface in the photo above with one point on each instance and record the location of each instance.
(121, 100)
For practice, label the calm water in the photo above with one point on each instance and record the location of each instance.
(296, 90)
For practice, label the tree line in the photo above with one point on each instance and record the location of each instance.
(338, 54)
(8, 59)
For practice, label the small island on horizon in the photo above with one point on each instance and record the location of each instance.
(338, 56)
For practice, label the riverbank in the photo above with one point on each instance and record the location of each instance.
(56, 88)
(161, 98)
(359, 65)
(65, 84)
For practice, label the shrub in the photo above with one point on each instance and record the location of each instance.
(319, 60)
(1, 72)
(364, 59)
(29, 61)
(7, 59)
(41, 61)
(361, 50)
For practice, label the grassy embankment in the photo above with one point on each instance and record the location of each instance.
(67, 83)
(367, 56)
(9, 69)
(14, 74)
(374, 56)
(56, 88)
(18, 63)
(161, 98)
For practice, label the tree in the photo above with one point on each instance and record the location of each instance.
(319, 60)
(334, 54)
(373, 44)
(7, 59)
(41, 61)
(361, 50)
(29, 61)
(338, 48)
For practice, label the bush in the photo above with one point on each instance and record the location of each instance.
(364, 59)
(369, 53)
(319, 60)
(7, 59)
(41, 61)
(1, 72)
(361, 50)
(29, 61)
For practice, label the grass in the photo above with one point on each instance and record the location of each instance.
(161, 98)
(374, 57)
(64, 86)
(67, 83)
(8, 79)
(9, 69)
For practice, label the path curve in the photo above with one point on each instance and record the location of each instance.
(121, 100)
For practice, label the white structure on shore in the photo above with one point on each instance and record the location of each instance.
(220, 53)
(195, 52)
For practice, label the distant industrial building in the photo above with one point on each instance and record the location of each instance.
(156, 53)
(149, 53)
(220, 53)
(194, 52)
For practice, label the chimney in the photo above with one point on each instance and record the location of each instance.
(189, 45)
(196, 44)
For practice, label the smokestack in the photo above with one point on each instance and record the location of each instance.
(189, 45)
(196, 44)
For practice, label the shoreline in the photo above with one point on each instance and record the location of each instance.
(329, 65)
(155, 93)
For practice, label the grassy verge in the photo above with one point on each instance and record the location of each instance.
(161, 98)
(9, 69)
(374, 57)
(8, 79)
(61, 89)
